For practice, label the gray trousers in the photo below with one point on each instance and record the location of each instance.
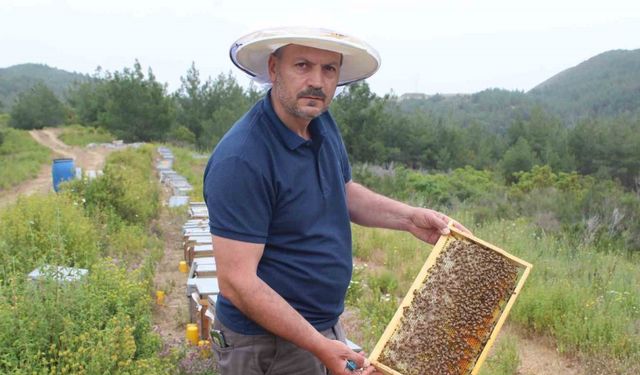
(268, 354)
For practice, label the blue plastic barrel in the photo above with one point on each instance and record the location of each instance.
(62, 170)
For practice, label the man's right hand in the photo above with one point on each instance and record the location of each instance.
(335, 355)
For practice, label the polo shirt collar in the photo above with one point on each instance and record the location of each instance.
(288, 137)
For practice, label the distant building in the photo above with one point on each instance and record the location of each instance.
(413, 95)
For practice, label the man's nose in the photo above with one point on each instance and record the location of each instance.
(315, 77)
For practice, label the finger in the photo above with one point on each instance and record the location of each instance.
(359, 360)
(439, 221)
(370, 371)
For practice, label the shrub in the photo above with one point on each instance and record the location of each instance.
(100, 324)
(182, 136)
(37, 108)
(128, 188)
(46, 229)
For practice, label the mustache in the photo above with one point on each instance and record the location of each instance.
(312, 91)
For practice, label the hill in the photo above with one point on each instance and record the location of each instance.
(20, 78)
(495, 109)
(605, 85)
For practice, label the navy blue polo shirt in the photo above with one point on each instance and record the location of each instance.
(265, 184)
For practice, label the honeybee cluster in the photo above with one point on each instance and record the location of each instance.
(452, 314)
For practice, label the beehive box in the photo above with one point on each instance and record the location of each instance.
(453, 312)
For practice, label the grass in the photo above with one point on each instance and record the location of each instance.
(4, 120)
(589, 300)
(21, 157)
(504, 360)
(585, 298)
(191, 168)
(78, 135)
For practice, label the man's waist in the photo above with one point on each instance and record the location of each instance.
(237, 321)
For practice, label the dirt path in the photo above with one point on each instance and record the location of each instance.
(171, 318)
(538, 356)
(85, 158)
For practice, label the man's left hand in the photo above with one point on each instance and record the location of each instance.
(428, 225)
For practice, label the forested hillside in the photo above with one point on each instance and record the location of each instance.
(605, 85)
(18, 79)
(563, 123)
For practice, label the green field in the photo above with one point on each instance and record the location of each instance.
(21, 157)
(78, 135)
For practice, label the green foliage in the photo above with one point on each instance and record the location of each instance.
(4, 120)
(36, 109)
(360, 114)
(604, 85)
(18, 79)
(608, 148)
(191, 166)
(493, 109)
(182, 136)
(582, 206)
(100, 324)
(45, 229)
(518, 158)
(137, 108)
(21, 157)
(127, 188)
(129, 105)
(430, 189)
(88, 98)
(208, 109)
(78, 135)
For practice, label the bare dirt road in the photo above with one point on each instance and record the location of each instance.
(85, 158)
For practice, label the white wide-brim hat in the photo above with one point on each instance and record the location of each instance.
(251, 52)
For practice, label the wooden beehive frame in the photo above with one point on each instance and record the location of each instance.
(440, 246)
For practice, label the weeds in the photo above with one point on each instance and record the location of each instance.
(101, 323)
(21, 157)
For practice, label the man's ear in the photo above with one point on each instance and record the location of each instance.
(271, 65)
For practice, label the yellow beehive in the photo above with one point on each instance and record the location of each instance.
(453, 311)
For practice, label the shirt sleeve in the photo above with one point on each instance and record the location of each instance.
(239, 199)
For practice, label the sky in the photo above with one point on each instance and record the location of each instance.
(426, 46)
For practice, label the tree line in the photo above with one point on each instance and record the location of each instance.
(134, 106)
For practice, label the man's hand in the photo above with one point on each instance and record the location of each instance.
(428, 225)
(335, 355)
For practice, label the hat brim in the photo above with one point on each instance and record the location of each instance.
(251, 53)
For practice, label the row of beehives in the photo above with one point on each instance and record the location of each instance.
(202, 283)
(88, 174)
(178, 184)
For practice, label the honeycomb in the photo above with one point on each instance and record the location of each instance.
(453, 312)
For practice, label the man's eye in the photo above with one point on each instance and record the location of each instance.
(301, 65)
(330, 68)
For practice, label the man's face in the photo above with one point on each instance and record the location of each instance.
(304, 79)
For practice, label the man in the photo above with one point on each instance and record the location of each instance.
(280, 196)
